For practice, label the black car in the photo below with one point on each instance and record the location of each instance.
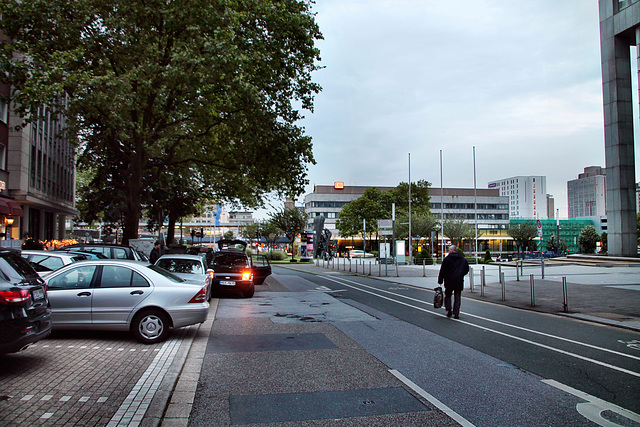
(108, 250)
(25, 313)
(233, 269)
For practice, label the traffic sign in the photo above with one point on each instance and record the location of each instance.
(539, 224)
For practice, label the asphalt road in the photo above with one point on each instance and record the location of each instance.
(557, 359)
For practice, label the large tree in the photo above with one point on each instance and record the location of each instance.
(371, 206)
(588, 239)
(523, 234)
(291, 221)
(145, 86)
(420, 199)
(457, 230)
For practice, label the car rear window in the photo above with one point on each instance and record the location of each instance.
(16, 268)
(181, 265)
(165, 273)
(230, 259)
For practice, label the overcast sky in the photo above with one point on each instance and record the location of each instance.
(519, 80)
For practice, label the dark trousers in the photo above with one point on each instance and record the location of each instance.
(457, 296)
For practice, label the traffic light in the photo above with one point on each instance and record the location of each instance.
(193, 233)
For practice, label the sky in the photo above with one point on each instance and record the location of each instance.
(518, 80)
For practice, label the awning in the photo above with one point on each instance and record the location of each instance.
(10, 207)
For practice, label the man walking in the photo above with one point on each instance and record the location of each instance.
(452, 272)
(155, 252)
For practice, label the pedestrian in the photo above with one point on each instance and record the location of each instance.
(452, 272)
(155, 252)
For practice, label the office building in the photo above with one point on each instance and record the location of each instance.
(586, 195)
(551, 206)
(527, 195)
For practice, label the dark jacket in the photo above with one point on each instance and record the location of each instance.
(154, 255)
(452, 272)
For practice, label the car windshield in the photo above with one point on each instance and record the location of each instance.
(165, 273)
(177, 265)
(230, 260)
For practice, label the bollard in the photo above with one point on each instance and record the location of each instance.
(533, 293)
(499, 272)
(369, 269)
(542, 265)
(356, 266)
(517, 273)
(483, 281)
(349, 265)
(504, 287)
(424, 268)
(522, 267)
(471, 280)
(565, 296)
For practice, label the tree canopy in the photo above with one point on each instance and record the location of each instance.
(371, 206)
(588, 239)
(457, 231)
(291, 221)
(149, 87)
(523, 234)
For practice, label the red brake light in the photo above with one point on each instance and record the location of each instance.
(14, 297)
(211, 274)
(246, 275)
(200, 297)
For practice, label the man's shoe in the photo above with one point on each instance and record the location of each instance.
(456, 317)
(449, 313)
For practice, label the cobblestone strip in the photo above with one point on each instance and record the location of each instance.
(132, 410)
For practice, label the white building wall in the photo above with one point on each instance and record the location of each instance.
(527, 195)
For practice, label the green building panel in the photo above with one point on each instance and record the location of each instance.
(570, 230)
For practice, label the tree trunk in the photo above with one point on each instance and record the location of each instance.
(133, 191)
(171, 230)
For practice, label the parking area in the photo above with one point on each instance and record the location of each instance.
(89, 378)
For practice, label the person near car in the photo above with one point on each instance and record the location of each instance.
(155, 252)
(452, 272)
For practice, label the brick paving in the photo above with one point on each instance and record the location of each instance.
(83, 378)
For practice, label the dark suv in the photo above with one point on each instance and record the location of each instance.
(25, 313)
(233, 269)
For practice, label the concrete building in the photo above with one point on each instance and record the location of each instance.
(619, 30)
(551, 206)
(527, 195)
(38, 169)
(587, 194)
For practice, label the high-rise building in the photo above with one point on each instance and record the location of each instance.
(586, 195)
(527, 195)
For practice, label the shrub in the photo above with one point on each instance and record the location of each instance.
(487, 256)
(275, 255)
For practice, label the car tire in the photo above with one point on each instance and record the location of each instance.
(249, 292)
(150, 327)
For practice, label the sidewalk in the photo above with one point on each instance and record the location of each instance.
(604, 293)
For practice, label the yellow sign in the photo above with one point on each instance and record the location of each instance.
(338, 185)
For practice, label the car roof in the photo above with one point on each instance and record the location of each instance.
(181, 256)
(50, 253)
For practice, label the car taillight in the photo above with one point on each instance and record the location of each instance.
(200, 297)
(14, 297)
(246, 275)
(211, 274)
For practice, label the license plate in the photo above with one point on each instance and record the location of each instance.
(38, 294)
(227, 283)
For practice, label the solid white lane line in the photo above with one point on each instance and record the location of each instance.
(617, 353)
(484, 328)
(431, 399)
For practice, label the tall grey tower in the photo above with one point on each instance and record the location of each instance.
(619, 30)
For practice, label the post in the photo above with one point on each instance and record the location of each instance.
(542, 263)
(471, 280)
(565, 296)
(483, 282)
(424, 270)
(504, 287)
(349, 265)
(533, 293)
(517, 273)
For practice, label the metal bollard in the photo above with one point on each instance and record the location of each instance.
(471, 280)
(369, 269)
(504, 287)
(517, 273)
(542, 265)
(424, 269)
(349, 265)
(533, 292)
(565, 296)
(483, 281)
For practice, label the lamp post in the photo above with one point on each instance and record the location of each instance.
(410, 240)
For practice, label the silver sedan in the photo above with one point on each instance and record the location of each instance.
(188, 267)
(124, 295)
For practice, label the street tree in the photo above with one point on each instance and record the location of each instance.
(420, 199)
(291, 221)
(457, 230)
(271, 233)
(147, 85)
(523, 235)
(369, 207)
(251, 232)
(588, 239)
(556, 245)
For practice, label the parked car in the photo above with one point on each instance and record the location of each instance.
(44, 262)
(188, 267)
(124, 295)
(233, 269)
(25, 313)
(108, 250)
(88, 255)
(359, 254)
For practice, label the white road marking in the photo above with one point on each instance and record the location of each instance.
(557, 350)
(594, 407)
(435, 402)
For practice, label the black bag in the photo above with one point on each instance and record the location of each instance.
(438, 297)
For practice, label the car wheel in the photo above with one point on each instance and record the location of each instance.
(249, 292)
(150, 327)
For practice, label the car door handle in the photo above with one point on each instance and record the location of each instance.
(84, 294)
(137, 292)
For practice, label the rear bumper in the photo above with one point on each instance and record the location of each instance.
(20, 333)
